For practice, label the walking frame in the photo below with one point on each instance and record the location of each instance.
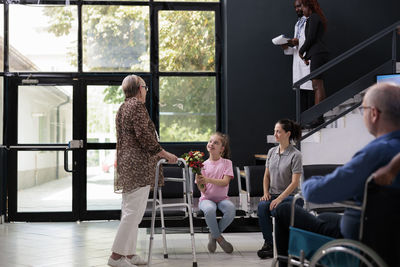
(158, 204)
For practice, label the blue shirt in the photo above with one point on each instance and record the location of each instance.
(299, 26)
(347, 182)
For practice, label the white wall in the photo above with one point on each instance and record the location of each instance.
(336, 145)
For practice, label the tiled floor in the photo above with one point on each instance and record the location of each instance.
(88, 244)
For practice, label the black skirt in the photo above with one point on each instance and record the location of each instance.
(317, 61)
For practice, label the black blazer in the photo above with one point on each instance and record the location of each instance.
(314, 43)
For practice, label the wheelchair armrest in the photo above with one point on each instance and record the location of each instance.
(349, 204)
(295, 198)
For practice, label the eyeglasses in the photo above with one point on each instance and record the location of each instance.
(145, 87)
(361, 109)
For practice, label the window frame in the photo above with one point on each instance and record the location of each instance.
(79, 79)
(154, 7)
(181, 6)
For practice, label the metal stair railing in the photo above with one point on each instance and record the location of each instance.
(392, 28)
(344, 94)
(3, 198)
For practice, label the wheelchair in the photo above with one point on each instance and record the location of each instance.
(379, 236)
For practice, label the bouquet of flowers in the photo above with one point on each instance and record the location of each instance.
(194, 159)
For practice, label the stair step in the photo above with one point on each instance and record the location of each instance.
(345, 105)
(315, 138)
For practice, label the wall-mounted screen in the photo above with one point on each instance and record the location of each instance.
(394, 78)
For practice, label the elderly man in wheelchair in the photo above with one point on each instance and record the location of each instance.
(368, 232)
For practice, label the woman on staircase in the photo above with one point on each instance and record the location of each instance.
(314, 48)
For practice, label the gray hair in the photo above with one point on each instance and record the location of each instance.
(131, 85)
(386, 97)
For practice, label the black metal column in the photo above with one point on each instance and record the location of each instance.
(3, 191)
(394, 49)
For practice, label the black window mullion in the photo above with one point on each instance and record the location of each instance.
(6, 39)
(10, 138)
(221, 111)
(80, 38)
(187, 6)
(79, 132)
(154, 65)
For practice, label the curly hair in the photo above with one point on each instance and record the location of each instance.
(314, 6)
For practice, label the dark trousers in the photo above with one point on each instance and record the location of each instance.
(264, 216)
(306, 99)
(325, 224)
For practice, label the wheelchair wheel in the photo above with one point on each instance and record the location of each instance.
(346, 252)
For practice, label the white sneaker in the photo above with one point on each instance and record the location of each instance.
(137, 260)
(121, 262)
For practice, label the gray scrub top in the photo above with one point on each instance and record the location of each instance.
(282, 167)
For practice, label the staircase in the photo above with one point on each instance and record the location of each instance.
(343, 132)
(326, 145)
(339, 141)
(360, 83)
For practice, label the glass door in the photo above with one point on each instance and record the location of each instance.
(40, 124)
(103, 102)
(42, 117)
(103, 98)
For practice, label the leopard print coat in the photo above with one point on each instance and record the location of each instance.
(137, 147)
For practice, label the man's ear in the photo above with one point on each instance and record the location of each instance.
(375, 113)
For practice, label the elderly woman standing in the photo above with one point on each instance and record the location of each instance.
(138, 151)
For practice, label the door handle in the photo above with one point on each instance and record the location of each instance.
(66, 161)
(73, 144)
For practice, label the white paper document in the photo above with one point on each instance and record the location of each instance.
(280, 40)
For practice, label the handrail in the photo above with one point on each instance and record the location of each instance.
(316, 129)
(346, 54)
(392, 28)
(345, 93)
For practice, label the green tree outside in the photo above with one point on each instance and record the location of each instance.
(117, 38)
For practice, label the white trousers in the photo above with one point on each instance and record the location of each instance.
(132, 211)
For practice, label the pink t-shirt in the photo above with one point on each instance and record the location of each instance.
(216, 170)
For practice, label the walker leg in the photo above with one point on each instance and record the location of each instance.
(153, 218)
(153, 214)
(192, 234)
(164, 235)
(190, 211)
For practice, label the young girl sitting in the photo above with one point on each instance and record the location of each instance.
(214, 184)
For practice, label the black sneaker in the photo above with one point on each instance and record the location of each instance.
(266, 251)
